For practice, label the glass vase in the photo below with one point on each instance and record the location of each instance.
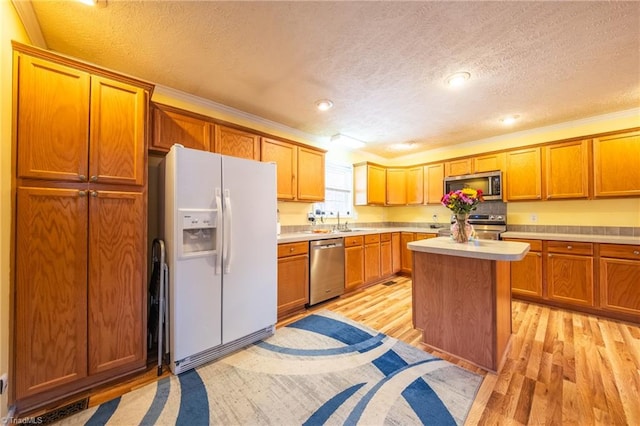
(461, 229)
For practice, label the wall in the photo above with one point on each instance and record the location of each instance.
(11, 28)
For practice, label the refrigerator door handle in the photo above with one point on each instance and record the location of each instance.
(219, 229)
(227, 231)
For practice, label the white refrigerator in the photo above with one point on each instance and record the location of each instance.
(219, 216)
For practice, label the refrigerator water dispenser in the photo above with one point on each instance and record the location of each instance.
(198, 229)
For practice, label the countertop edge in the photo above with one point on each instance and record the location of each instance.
(587, 238)
(303, 236)
(477, 249)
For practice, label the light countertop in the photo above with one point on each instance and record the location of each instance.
(586, 238)
(477, 249)
(295, 237)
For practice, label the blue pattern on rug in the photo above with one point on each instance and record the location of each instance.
(158, 403)
(103, 413)
(423, 400)
(323, 413)
(194, 409)
(343, 332)
(364, 346)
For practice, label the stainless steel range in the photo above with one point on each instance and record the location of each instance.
(486, 226)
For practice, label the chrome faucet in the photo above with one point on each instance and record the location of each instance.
(338, 221)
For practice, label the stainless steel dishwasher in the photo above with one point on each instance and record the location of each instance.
(326, 271)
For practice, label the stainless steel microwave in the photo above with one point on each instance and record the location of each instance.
(490, 183)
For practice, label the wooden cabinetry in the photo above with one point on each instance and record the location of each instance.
(173, 125)
(353, 262)
(371, 258)
(488, 162)
(386, 255)
(293, 277)
(526, 275)
(396, 253)
(406, 254)
(463, 166)
(415, 185)
(616, 165)
(433, 183)
(620, 279)
(236, 143)
(570, 272)
(80, 256)
(566, 170)
(370, 183)
(300, 170)
(396, 187)
(523, 179)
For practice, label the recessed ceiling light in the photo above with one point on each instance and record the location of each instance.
(324, 104)
(509, 120)
(458, 79)
(404, 146)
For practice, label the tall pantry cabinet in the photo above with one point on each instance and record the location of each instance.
(79, 292)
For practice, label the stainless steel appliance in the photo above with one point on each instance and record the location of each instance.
(326, 270)
(486, 226)
(490, 183)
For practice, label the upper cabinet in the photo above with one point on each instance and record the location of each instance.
(370, 183)
(396, 186)
(458, 167)
(415, 185)
(616, 165)
(300, 170)
(79, 127)
(488, 162)
(172, 125)
(236, 143)
(523, 180)
(433, 183)
(566, 170)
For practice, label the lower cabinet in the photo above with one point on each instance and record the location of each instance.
(406, 254)
(526, 275)
(570, 272)
(620, 279)
(293, 277)
(386, 255)
(353, 262)
(371, 258)
(396, 253)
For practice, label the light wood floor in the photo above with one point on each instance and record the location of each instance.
(563, 368)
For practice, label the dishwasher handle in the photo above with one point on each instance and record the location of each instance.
(327, 246)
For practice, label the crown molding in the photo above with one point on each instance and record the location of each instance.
(27, 15)
(236, 113)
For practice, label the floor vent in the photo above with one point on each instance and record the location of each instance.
(388, 283)
(62, 412)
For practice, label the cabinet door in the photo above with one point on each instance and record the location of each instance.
(385, 259)
(407, 260)
(52, 120)
(396, 187)
(237, 143)
(570, 279)
(293, 284)
(415, 185)
(285, 156)
(567, 170)
(371, 262)
(117, 261)
(172, 126)
(526, 275)
(354, 267)
(458, 167)
(117, 149)
(619, 289)
(396, 256)
(523, 175)
(376, 185)
(50, 289)
(616, 165)
(433, 183)
(310, 175)
(488, 163)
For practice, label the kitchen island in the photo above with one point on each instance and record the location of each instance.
(462, 297)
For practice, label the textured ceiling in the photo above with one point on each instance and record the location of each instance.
(383, 64)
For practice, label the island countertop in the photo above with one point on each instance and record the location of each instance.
(477, 249)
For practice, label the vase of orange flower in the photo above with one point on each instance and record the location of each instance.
(461, 203)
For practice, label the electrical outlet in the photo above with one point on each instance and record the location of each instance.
(534, 217)
(311, 217)
(4, 383)
(435, 218)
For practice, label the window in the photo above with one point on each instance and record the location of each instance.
(338, 195)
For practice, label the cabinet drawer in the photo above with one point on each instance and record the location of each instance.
(570, 247)
(292, 249)
(353, 241)
(621, 251)
(372, 239)
(536, 245)
(385, 237)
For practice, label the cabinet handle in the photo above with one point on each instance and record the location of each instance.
(539, 254)
(569, 247)
(636, 252)
(291, 249)
(550, 255)
(94, 178)
(82, 193)
(82, 178)
(94, 193)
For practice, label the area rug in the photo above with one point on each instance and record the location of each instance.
(322, 369)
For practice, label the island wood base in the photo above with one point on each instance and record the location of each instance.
(462, 306)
